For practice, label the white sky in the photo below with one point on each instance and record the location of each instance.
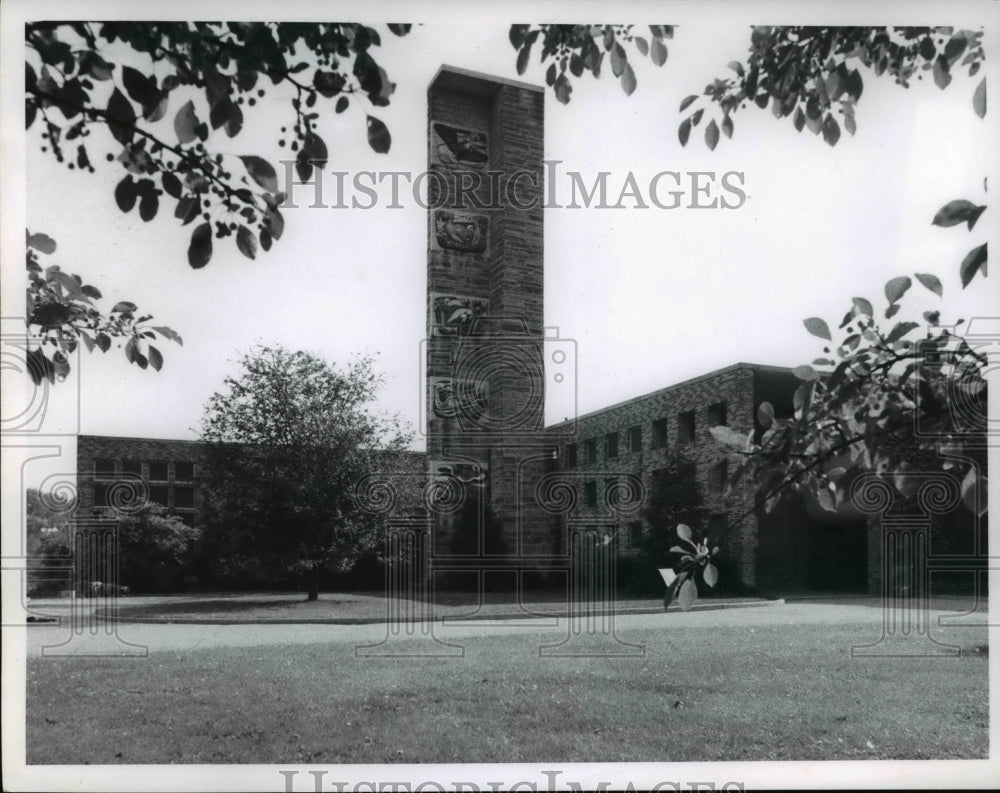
(651, 297)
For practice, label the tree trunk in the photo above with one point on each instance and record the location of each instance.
(314, 584)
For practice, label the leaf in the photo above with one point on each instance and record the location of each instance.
(342, 103)
(979, 99)
(684, 531)
(658, 51)
(895, 288)
(805, 373)
(974, 492)
(200, 249)
(91, 291)
(971, 264)
(378, 136)
(831, 130)
(642, 45)
(684, 131)
(618, 59)
(712, 134)
(687, 595)
(826, 501)
(799, 119)
(686, 102)
(736, 66)
(139, 87)
(155, 358)
(932, 282)
(42, 243)
(627, 80)
(892, 311)
(522, 58)
(125, 307)
(121, 117)
(710, 574)
(171, 184)
(900, 330)
(850, 124)
(186, 123)
(400, 29)
(941, 75)
(818, 327)
(148, 204)
(246, 242)
(862, 307)
(727, 126)
(728, 436)
(169, 333)
(187, 209)
(953, 213)
(669, 576)
(765, 414)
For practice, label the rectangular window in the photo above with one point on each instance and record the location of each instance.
(184, 472)
(158, 472)
(101, 495)
(184, 498)
(571, 456)
(158, 495)
(590, 451)
(717, 415)
(590, 494)
(132, 468)
(611, 444)
(635, 439)
(685, 427)
(104, 468)
(717, 476)
(659, 439)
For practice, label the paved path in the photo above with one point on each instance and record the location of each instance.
(186, 637)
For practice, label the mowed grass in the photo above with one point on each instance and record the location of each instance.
(774, 692)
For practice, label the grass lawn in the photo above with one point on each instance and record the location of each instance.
(772, 692)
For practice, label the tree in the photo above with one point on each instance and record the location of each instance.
(167, 93)
(49, 545)
(288, 440)
(154, 549)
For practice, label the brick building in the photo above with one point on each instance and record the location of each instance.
(498, 493)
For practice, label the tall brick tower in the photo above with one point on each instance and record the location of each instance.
(485, 372)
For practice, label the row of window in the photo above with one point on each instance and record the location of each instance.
(106, 468)
(180, 498)
(717, 476)
(686, 433)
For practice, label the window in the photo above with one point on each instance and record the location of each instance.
(571, 456)
(158, 472)
(184, 497)
(184, 472)
(590, 451)
(717, 415)
(132, 468)
(659, 439)
(101, 496)
(717, 476)
(158, 495)
(635, 439)
(634, 534)
(104, 468)
(590, 494)
(611, 445)
(685, 427)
